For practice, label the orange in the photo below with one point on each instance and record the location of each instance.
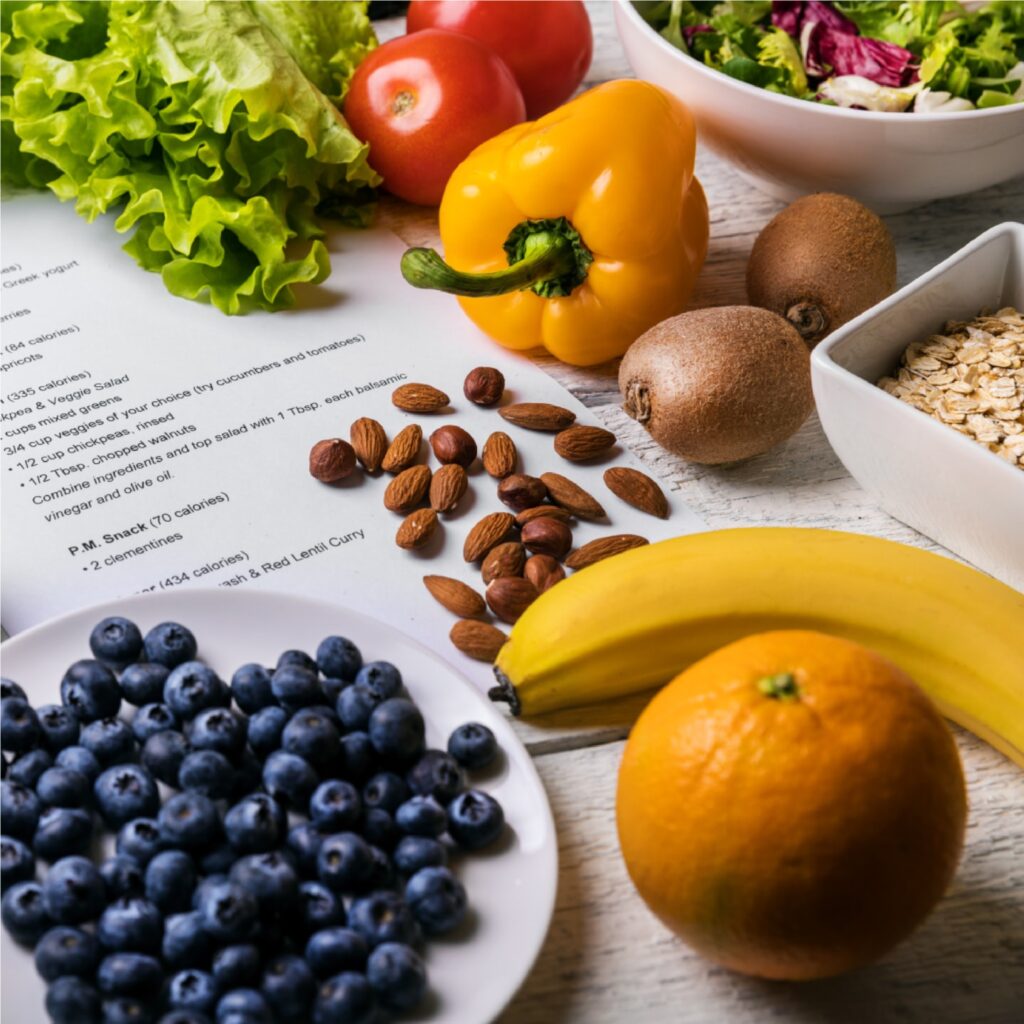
(792, 805)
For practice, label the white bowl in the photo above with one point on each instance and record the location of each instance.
(919, 470)
(789, 147)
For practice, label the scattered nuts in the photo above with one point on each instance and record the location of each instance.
(509, 596)
(484, 386)
(485, 534)
(447, 487)
(547, 536)
(504, 560)
(369, 441)
(331, 460)
(407, 489)
(637, 489)
(603, 547)
(543, 572)
(416, 528)
(403, 450)
(479, 640)
(542, 512)
(577, 444)
(538, 416)
(419, 398)
(520, 491)
(453, 444)
(572, 497)
(499, 455)
(459, 598)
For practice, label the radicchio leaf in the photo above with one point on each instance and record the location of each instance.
(791, 17)
(829, 52)
(689, 31)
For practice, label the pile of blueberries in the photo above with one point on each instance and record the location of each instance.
(217, 906)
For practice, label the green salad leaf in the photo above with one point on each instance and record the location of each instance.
(208, 126)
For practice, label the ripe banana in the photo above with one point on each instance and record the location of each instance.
(636, 620)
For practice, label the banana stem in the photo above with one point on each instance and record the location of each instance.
(505, 692)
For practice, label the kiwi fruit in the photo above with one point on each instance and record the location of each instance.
(820, 262)
(718, 385)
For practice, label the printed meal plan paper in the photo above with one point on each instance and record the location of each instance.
(151, 442)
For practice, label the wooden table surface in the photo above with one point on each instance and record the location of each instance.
(606, 958)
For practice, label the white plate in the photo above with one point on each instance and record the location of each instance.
(511, 889)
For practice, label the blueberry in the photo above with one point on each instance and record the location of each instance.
(265, 728)
(16, 862)
(236, 966)
(124, 792)
(473, 745)
(205, 884)
(344, 861)
(243, 1006)
(180, 1015)
(184, 943)
(347, 998)
(247, 777)
(192, 687)
(475, 819)
(312, 736)
(356, 762)
(170, 644)
(193, 990)
(385, 790)
(437, 899)
(131, 924)
(355, 705)
(379, 828)
(64, 951)
(151, 719)
(218, 860)
(320, 908)
(170, 879)
(73, 891)
(334, 949)
(19, 728)
(397, 975)
(130, 974)
(397, 729)
(70, 1000)
(207, 773)
(59, 725)
(24, 912)
(80, 760)
(163, 753)
(250, 687)
(29, 767)
(110, 740)
(63, 787)
(338, 658)
(303, 843)
(90, 690)
(217, 729)
(9, 688)
(190, 821)
(270, 878)
(128, 1010)
(421, 816)
(62, 832)
(382, 872)
(289, 779)
(295, 687)
(416, 852)
(335, 806)
(382, 679)
(256, 824)
(383, 917)
(116, 641)
(331, 689)
(19, 810)
(143, 683)
(436, 774)
(288, 986)
(140, 839)
(229, 912)
(299, 659)
(122, 876)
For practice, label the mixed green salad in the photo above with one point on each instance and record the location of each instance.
(920, 56)
(211, 127)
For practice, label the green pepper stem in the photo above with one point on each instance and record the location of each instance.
(780, 687)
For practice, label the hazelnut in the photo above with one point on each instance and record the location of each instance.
(547, 536)
(509, 596)
(331, 460)
(520, 491)
(543, 572)
(484, 386)
(453, 444)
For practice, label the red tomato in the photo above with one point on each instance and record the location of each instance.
(546, 43)
(424, 103)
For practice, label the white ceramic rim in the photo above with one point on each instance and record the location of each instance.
(792, 103)
(823, 361)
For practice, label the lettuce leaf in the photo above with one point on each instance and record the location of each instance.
(207, 125)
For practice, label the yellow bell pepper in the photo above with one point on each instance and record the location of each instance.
(578, 231)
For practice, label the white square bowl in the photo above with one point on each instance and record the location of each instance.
(919, 470)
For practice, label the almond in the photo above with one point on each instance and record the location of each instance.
(499, 455)
(603, 547)
(407, 489)
(369, 441)
(485, 534)
(543, 572)
(504, 560)
(637, 489)
(547, 536)
(542, 512)
(538, 416)
(509, 596)
(331, 460)
(459, 598)
(572, 497)
(403, 450)
(520, 491)
(577, 444)
(447, 487)
(416, 529)
(420, 398)
(479, 640)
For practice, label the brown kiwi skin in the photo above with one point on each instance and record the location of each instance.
(820, 262)
(718, 385)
